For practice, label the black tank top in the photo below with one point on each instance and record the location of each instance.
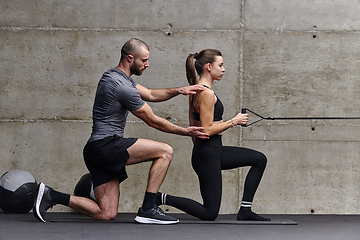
(218, 109)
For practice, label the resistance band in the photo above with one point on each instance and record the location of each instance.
(243, 110)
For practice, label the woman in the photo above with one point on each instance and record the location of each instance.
(209, 157)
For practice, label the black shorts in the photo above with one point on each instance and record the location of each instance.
(106, 158)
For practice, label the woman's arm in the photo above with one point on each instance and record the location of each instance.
(207, 101)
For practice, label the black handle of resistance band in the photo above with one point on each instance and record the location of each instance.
(243, 111)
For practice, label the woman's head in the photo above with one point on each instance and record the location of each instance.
(201, 59)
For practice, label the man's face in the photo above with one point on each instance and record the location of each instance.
(140, 62)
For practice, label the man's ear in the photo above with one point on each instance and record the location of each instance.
(130, 58)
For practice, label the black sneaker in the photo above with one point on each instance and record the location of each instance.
(42, 202)
(154, 216)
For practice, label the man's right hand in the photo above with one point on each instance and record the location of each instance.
(197, 132)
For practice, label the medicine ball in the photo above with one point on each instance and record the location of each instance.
(17, 191)
(84, 188)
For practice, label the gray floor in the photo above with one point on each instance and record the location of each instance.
(75, 226)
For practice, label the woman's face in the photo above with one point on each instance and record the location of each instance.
(217, 68)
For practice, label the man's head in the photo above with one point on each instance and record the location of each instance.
(136, 53)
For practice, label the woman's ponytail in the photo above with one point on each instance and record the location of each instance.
(190, 69)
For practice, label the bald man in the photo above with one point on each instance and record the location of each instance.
(107, 152)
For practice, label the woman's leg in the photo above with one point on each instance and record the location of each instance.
(234, 157)
(206, 163)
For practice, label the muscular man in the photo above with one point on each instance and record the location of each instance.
(107, 152)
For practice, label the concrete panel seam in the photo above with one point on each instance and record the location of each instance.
(44, 120)
(302, 140)
(307, 124)
(76, 121)
(300, 31)
(72, 29)
(241, 80)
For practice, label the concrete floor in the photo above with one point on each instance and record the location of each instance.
(75, 226)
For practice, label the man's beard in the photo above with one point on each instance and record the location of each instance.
(135, 70)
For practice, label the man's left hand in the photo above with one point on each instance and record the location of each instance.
(197, 132)
(191, 89)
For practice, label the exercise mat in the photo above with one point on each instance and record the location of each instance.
(184, 219)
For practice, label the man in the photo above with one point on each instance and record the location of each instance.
(107, 152)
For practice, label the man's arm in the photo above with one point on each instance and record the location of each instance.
(146, 114)
(159, 95)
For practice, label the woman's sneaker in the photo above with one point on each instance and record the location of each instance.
(42, 202)
(154, 216)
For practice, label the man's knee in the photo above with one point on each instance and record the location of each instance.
(167, 154)
(107, 216)
(110, 216)
(168, 151)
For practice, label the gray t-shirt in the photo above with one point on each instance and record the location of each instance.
(116, 95)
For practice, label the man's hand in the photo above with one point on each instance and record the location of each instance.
(191, 89)
(197, 132)
(159, 95)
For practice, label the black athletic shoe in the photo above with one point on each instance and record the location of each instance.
(154, 216)
(245, 214)
(42, 202)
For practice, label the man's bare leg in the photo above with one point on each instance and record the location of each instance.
(144, 150)
(161, 154)
(107, 197)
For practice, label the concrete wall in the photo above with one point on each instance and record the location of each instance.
(282, 59)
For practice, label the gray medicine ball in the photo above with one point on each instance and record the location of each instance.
(17, 191)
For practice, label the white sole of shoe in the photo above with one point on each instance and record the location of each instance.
(38, 201)
(153, 221)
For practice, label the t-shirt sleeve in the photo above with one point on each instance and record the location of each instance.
(129, 97)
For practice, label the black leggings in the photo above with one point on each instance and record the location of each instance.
(208, 159)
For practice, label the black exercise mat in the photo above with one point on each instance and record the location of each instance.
(184, 219)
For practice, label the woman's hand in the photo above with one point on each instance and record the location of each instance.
(241, 119)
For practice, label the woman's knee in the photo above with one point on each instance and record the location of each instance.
(261, 159)
(264, 159)
(211, 216)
